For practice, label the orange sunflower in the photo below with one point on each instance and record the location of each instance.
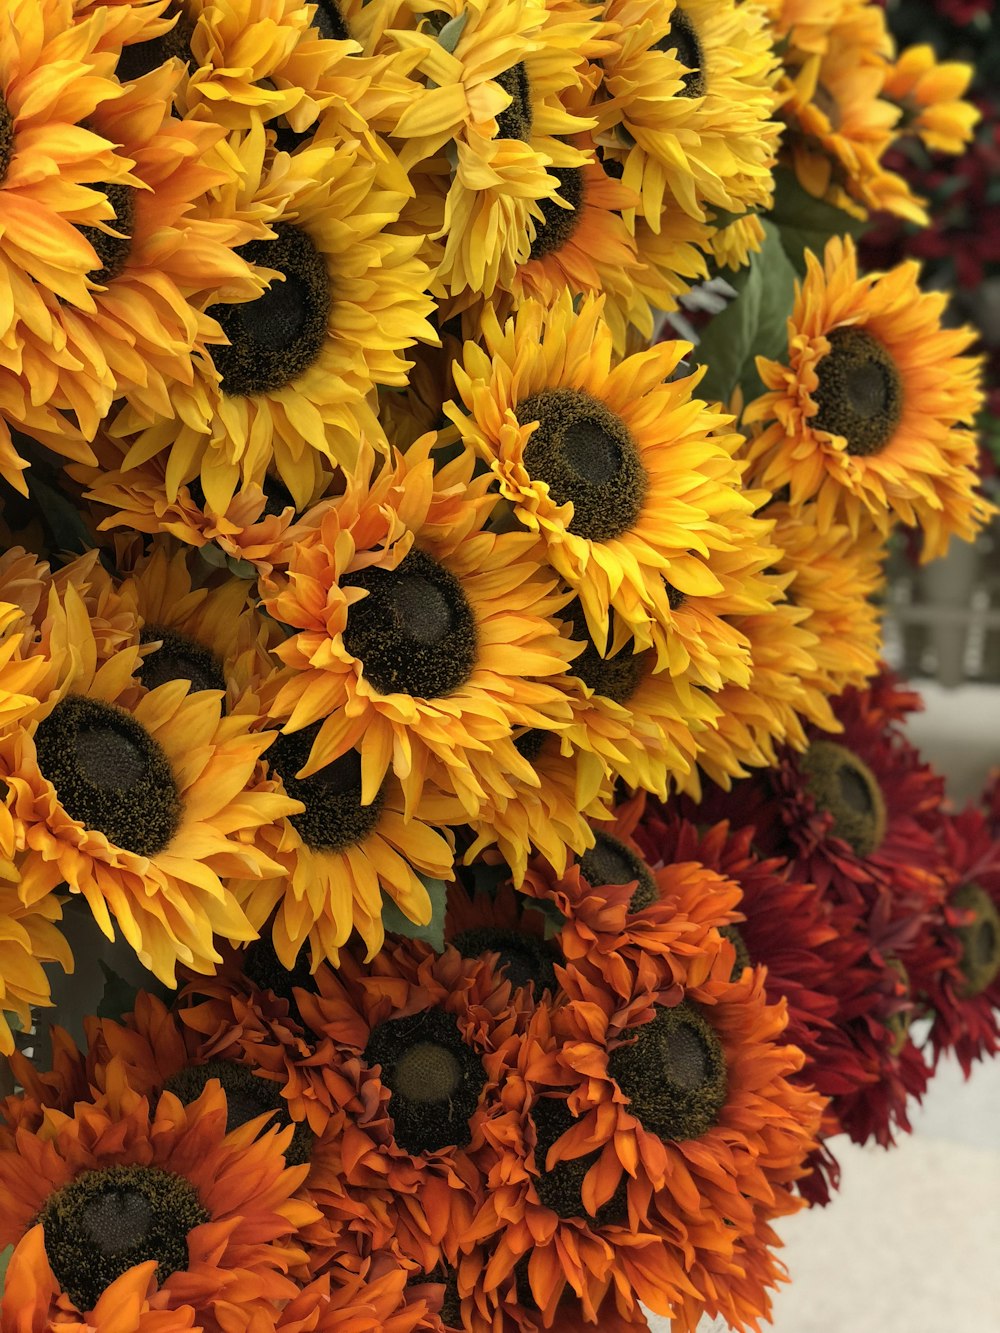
(616, 468)
(868, 413)
(142, 801)
(116, 1209)
(420, 639)
(345, 297)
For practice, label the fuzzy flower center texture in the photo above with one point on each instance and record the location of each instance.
(610, 861)
(6, 137)
(334, 818)
(247, 1097)
(860, 393)
(560, 1188)
(616, 677)
(586, 455)
(559, 223)
(979, 939)
(683, 40)
(516, 121)
(109, 774)
(523, 958)
(843, 784)
(143, 57)
(108, 1220)
(113, 251)
(178, 658)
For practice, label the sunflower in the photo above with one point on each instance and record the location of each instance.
(138, 800)
(163, 1206)
(930, 93)
(628, 1112)
(867, 414)
(499, 77)
(505, 927)
(837, 579)
(419, 639)
(689, 101)
(378, 1300)
(419, 1042)
(293, 385)
(614, 467)
(29, 937)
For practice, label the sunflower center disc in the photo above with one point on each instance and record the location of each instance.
(530, 744)
(860, 394)
(277, 497)
(433, 1076)
(616, 677)
(743, 959)
(247, 1097)
(844, 785)
(674, 1074)
(142, 57)
(516, 121)
(558, 223)
(561, 1188)
(109, 774)
(178, 658)
(113, 251)
(264, 968)
(611, 861)
(277, 337)
(105, 1222)
(683, 39)
(587, 457)
(980, 940)
(6, 138)
(522, 957)
(334, 818)
(330, 22)
(415, 632)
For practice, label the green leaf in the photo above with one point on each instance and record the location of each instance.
(554, 919)
(452, 31)
(119, 995)
(60, 516)
(4, 1261)
(752, 325)
(806, 223)
(395, 923)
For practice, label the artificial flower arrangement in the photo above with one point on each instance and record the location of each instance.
(460, 693)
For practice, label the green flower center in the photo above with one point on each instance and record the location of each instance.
(586, 456)
(674, 1073)
(516, 121)
(743, 959)
(860, 393)
(276, 337)
(844, 785)
(558, 222)
(143, 57)
(683, 40)
(106, 1221)
(6, 138)
(980, 940)
(178, 658)
(561, 1188)
(113, 251)
(334, 818)
(109, 774)
(611, 861)
(415, 632)
(523, 957)
(433, 1076)
(247, 1097)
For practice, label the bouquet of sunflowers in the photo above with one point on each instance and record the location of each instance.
(449, 449)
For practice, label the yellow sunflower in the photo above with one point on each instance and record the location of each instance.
(689, 97)
(294, 386)
(29, 937)
(838, 578)
(614, 467)
(868, 412)
(143, 802)
(498, 75)
(930, 93)
(419, 638)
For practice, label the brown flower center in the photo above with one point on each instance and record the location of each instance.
(516, 121)
(844, 785)
(611, 861)
(247, 1097)
(109, 774)
(523, 958)
(980, 939)
(263, 967)
(142, 57)
(113, 251)
(616, 677)
(434, 1078)
(334, 818)
(415, 632)
(743, 959)
(276, 337)
(330, 22)
(6, 138)
(178, 658)
(106, 1221)
(683, 40)
(586, 456)
(558, 222)
(860, 392)
(674, 1073)
(561, 1187)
